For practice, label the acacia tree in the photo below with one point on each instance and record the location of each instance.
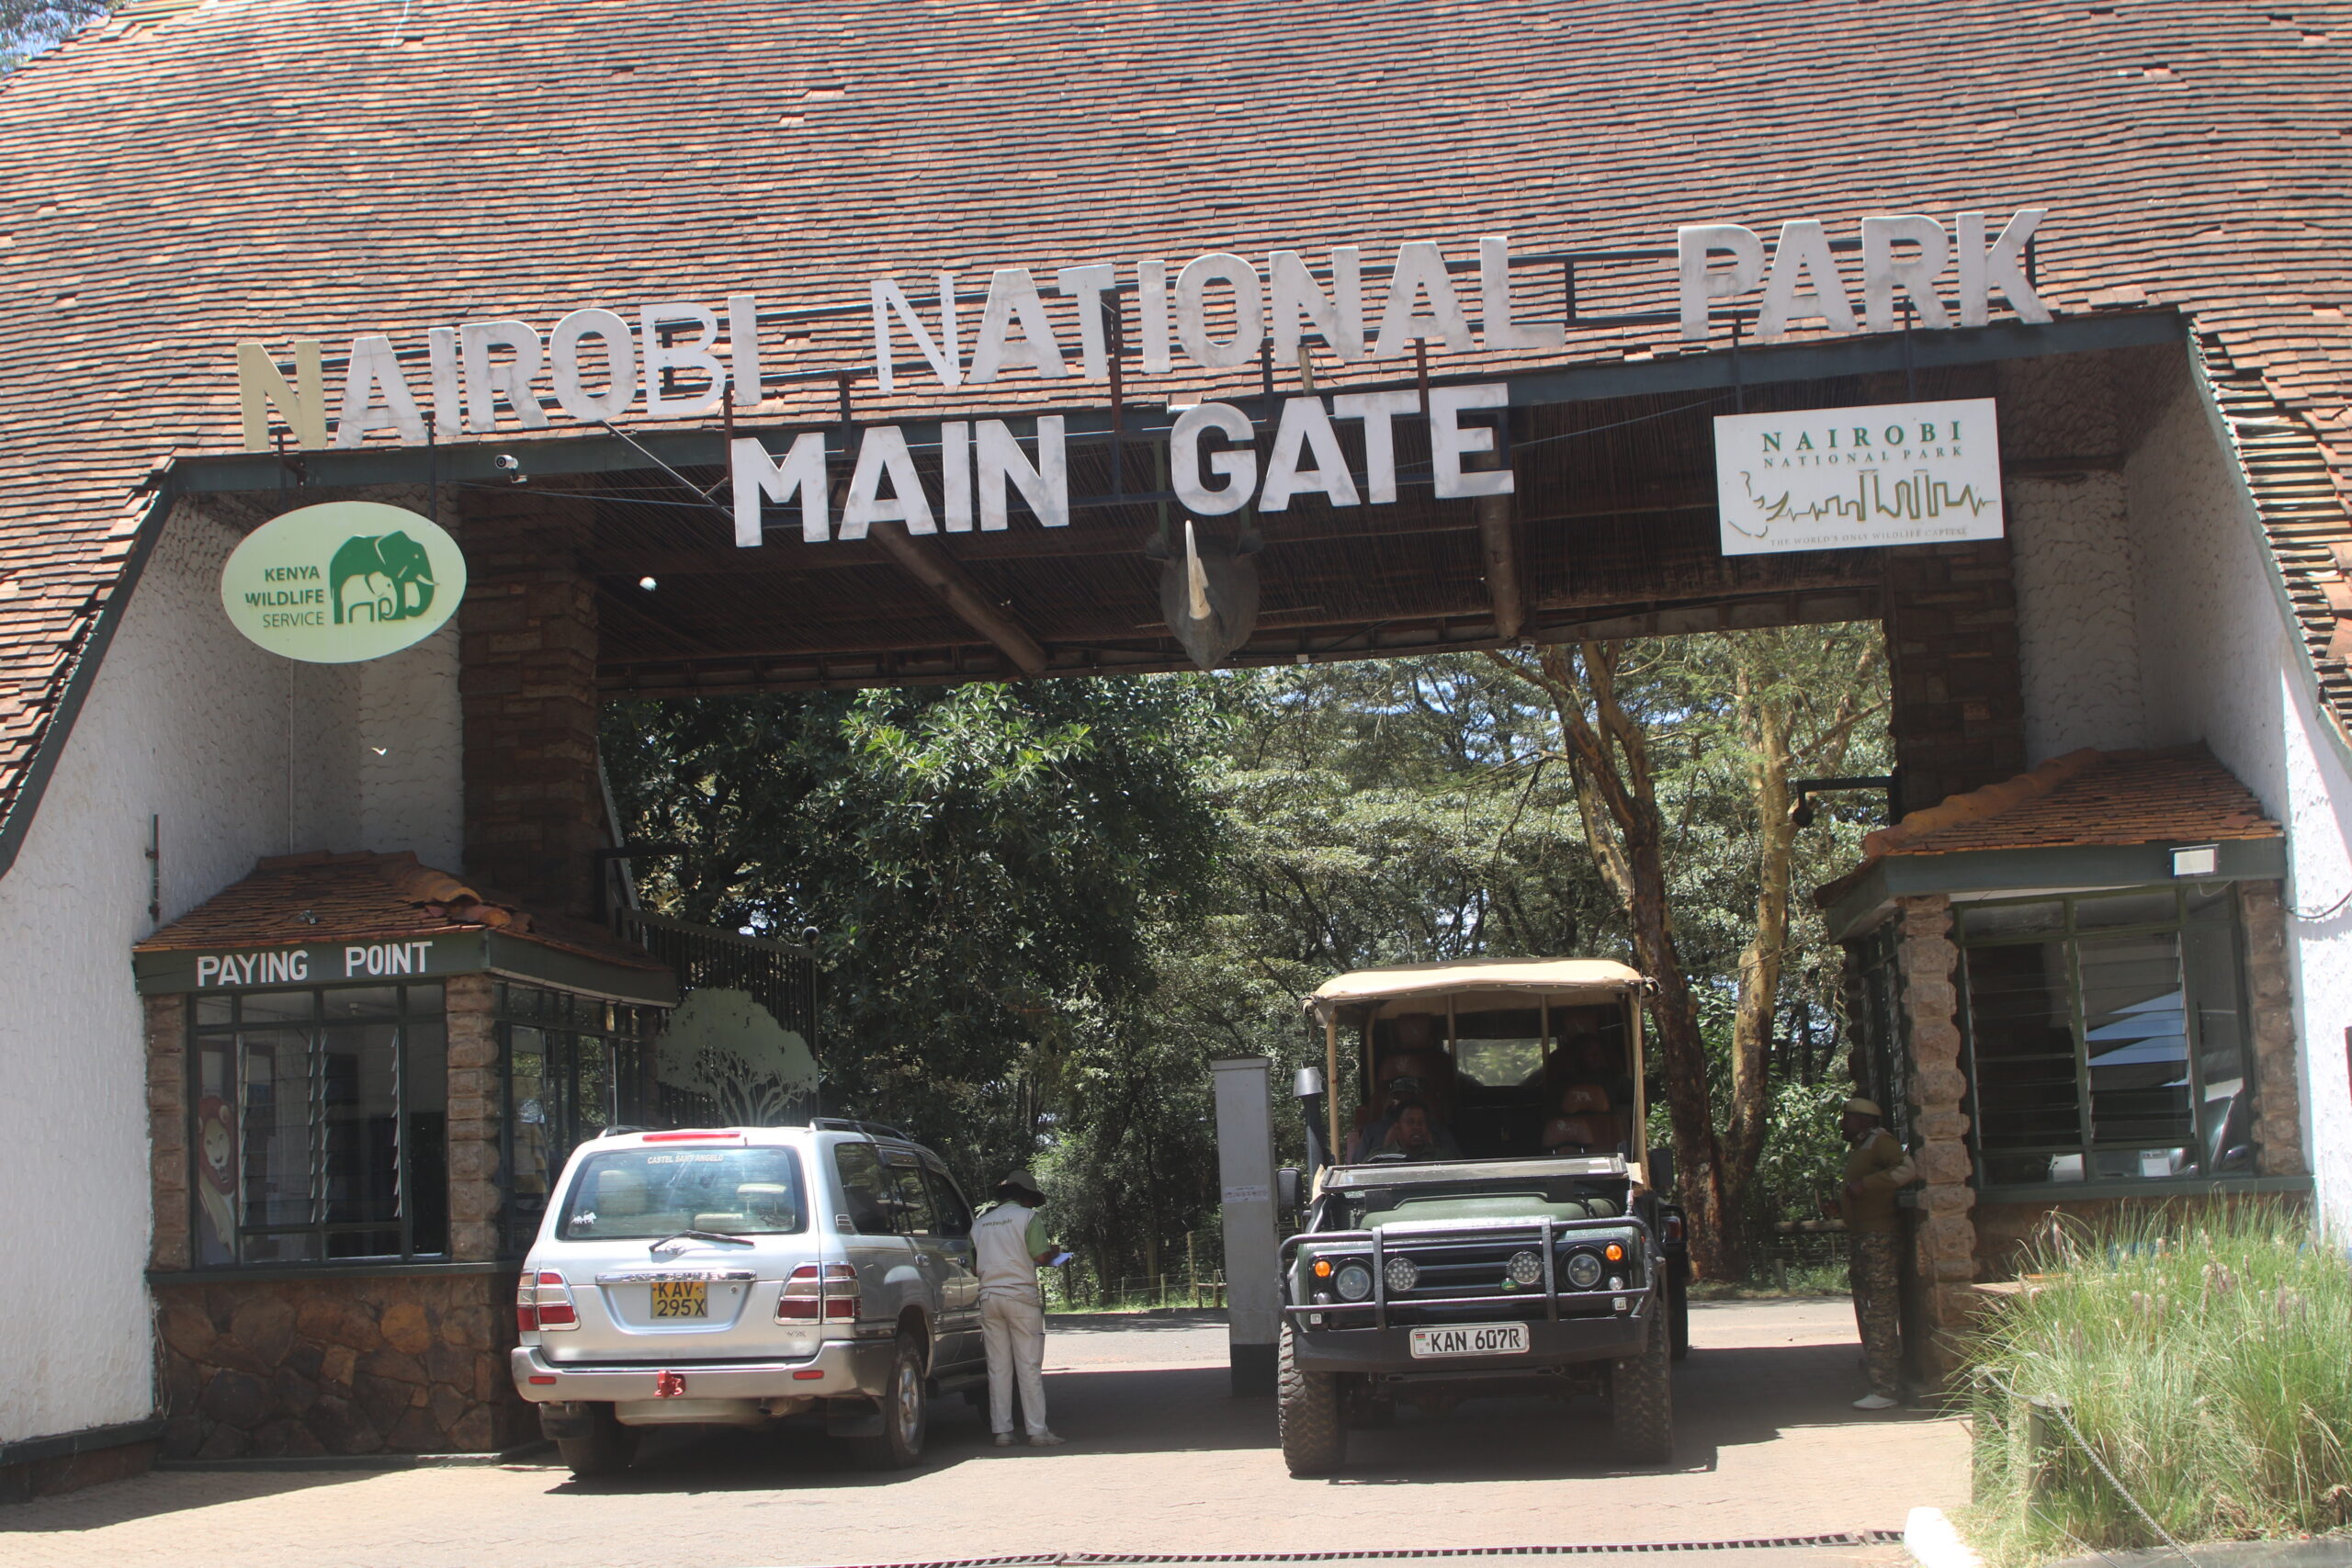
(1798, 698)
(1777, 702)
(1606, 745)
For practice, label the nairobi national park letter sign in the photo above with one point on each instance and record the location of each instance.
(1218, 312)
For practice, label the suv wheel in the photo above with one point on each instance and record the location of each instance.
(905, 1411)
(607, 1448)
(1641, 1397)
(1314, 1441)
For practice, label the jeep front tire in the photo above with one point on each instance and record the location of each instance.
(1315, 1439)
(1641, 1395)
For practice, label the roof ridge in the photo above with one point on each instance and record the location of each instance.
(1991, 800)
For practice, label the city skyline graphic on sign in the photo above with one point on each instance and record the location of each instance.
(1922, 498)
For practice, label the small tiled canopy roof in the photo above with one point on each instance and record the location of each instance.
(323, 897)
(185, 175)
(2177, 796)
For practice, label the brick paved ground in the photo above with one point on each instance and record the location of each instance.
(1162, 1459)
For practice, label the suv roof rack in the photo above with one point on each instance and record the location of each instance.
(871, 1129)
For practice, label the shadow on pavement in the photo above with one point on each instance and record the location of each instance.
(163, 1492)
(1723, 1398)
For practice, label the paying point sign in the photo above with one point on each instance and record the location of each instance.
(343, 582)
(1857, 478)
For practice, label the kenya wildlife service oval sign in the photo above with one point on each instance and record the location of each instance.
(343, 582)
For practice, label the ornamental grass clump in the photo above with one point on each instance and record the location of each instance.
(2205, 1356)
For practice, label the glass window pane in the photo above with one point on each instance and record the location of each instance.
(865, 1189)
(2010, 919)
(425, 1182)
(2212, 901)
(526, 1068)
(421, 998)
(360, 1125)
(954, 1214)
(2135, 1033)
(2021, 1031)
(277, 1007)
(346, 1002)
(274, 1140)
(2225, 1118)
(915, 1216)
(213, 1012)
(637, 1192)
(2106, 911)
(213, 1153)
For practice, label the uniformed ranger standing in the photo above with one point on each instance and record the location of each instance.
(1010, 1237)
(1875, 1171)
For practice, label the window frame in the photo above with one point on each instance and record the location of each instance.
(624, 1033)
(199, 1034)
(2069, 934)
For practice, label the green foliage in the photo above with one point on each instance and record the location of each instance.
(981, 864)
(2201, 1353)
(1802, 1159)
(27, 26)
(1045, 907)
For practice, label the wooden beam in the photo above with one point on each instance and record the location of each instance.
(947, 582)
(1502, 565)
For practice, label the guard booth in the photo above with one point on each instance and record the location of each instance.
(364, 1076)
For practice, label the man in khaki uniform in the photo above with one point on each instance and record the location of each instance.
(1878, 1168)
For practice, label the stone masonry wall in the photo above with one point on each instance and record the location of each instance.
(2278, 1114)
(1951, 632)
(167, 1130)
(1944, 1256)
(339, 1364)
(475, 1112)
(535, 811)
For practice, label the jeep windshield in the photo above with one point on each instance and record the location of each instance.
(1478, 1197)
(647, 1193)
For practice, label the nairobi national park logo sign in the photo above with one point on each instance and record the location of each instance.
(1853, 478)
(343, 582)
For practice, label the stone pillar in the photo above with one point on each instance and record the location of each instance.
(1952, 636)
(535, 812)
(169, 1246)
(2278, 1099)
(1945, 1258)
(474, 1118)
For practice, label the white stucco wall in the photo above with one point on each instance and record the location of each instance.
(2147, 617)
(2220, 662)
(239, 754)
(2078, 644)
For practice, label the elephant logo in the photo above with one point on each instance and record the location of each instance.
(395, 560)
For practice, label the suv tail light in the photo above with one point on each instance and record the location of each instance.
(543, 1300)
(813, 1294)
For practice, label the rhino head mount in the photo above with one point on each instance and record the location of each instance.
(1209, 595)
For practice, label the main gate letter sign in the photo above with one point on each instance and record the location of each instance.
(684, 359)
(1854, 478)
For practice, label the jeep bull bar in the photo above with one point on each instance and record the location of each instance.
(1547, 1238)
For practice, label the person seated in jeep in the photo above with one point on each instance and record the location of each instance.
(1376, 1134)
(1585, 1124)
(1414, 1136)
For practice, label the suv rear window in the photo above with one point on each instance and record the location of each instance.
(657, 1192)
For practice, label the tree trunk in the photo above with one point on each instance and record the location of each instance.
(1607, 751)
(1765, 716)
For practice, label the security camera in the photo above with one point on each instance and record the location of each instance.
(508, 462)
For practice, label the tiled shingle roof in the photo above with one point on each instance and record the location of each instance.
(313, 898)
(2179, 795)
(179, 178)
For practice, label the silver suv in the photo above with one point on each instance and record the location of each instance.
(738, 1276)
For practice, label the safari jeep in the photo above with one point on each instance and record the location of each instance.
(1483, 1223)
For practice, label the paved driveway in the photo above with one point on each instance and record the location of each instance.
(1162, 1460)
